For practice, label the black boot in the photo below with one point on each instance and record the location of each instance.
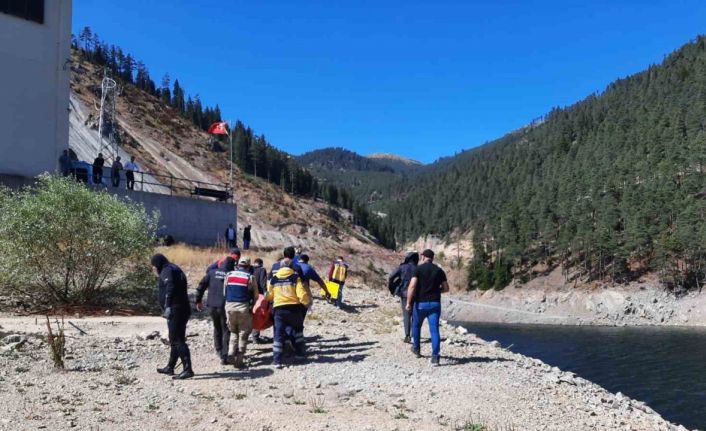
(173, 355)
(187, 372)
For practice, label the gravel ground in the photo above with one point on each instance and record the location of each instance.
(359, 376)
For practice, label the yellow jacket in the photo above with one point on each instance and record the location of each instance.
(286, 288)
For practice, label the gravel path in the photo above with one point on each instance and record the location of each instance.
(360, 376)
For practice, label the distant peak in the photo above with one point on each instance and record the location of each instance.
(395, 157)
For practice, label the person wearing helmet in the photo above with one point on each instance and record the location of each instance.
(398, 283)
(240, 294)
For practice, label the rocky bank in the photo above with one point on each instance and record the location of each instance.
(359, 376)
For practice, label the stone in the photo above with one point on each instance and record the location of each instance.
(14, 338)
(461, 330)
(495, 343)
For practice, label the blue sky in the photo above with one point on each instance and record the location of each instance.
(420, 79)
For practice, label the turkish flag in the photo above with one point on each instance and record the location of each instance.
(220, 128)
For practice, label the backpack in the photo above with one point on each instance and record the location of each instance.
(394, 284)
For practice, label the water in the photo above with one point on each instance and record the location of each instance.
(664, 367)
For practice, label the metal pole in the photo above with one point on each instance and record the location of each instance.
(230, 135)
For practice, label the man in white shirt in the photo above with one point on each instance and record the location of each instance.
(130, 168)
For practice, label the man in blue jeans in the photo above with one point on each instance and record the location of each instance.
(424, 301)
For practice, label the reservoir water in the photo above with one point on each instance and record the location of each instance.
(664, 367)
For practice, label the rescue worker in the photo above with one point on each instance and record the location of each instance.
(260, 274)
(310, 274)
(337, 273)
(399, 283)
(215, 301)
(286, 289)
(174, 301)
(240, 293)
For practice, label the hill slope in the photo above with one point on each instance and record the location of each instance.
(166, 143)
(611, 186)
(369, 178)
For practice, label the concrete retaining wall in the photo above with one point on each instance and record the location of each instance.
(189, 220)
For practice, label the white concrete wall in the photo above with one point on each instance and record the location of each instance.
(34, 90)
(189, 220)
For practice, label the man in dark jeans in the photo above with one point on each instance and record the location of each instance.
(98, 169)
(424, 301)
(213, 281)
(130, 168)
(115, 172)
(401, 278)
(246, 237)
(174, 301)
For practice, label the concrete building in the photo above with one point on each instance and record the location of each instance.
(35, 53)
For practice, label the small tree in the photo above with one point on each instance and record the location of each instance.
(62, 244)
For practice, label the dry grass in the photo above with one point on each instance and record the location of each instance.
(198, 258)
(191, 257)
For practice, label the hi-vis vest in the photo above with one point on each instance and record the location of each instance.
(236, 286)
(286, 288)
(340, 271)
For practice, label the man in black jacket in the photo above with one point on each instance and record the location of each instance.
(398, 284)
(174, 301)
(215, 301)
(98, 169)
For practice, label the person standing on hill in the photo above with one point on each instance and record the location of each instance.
(174, 301)
(241, 294)
(337, 273)
(98, 164)
(398, 284)
(424, 301)
(291, 299)
(115, 172)
(231, 236)
(130, 168)
(216, 303)
(259, 272)
(246, 237)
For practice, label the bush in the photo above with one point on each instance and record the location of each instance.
(63, 244)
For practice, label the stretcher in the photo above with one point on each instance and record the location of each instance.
(332, 288)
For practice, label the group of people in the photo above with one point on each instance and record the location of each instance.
(240, 291)
(130, 168)
(419, 287)
(231, 236)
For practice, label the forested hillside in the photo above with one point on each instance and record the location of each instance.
(610, 187)
(369, 179)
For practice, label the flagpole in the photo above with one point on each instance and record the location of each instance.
(230, 135)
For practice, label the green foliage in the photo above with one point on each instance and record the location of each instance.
(129, 71)
(612, 186)
(61, 243)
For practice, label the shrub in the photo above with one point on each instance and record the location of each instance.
(63, 244)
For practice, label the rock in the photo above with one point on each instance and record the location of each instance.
(12, 347)
(495, 343)
(461, 330)
(14, 338)
(151, 335)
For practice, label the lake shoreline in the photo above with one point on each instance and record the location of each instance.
(547, 300)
